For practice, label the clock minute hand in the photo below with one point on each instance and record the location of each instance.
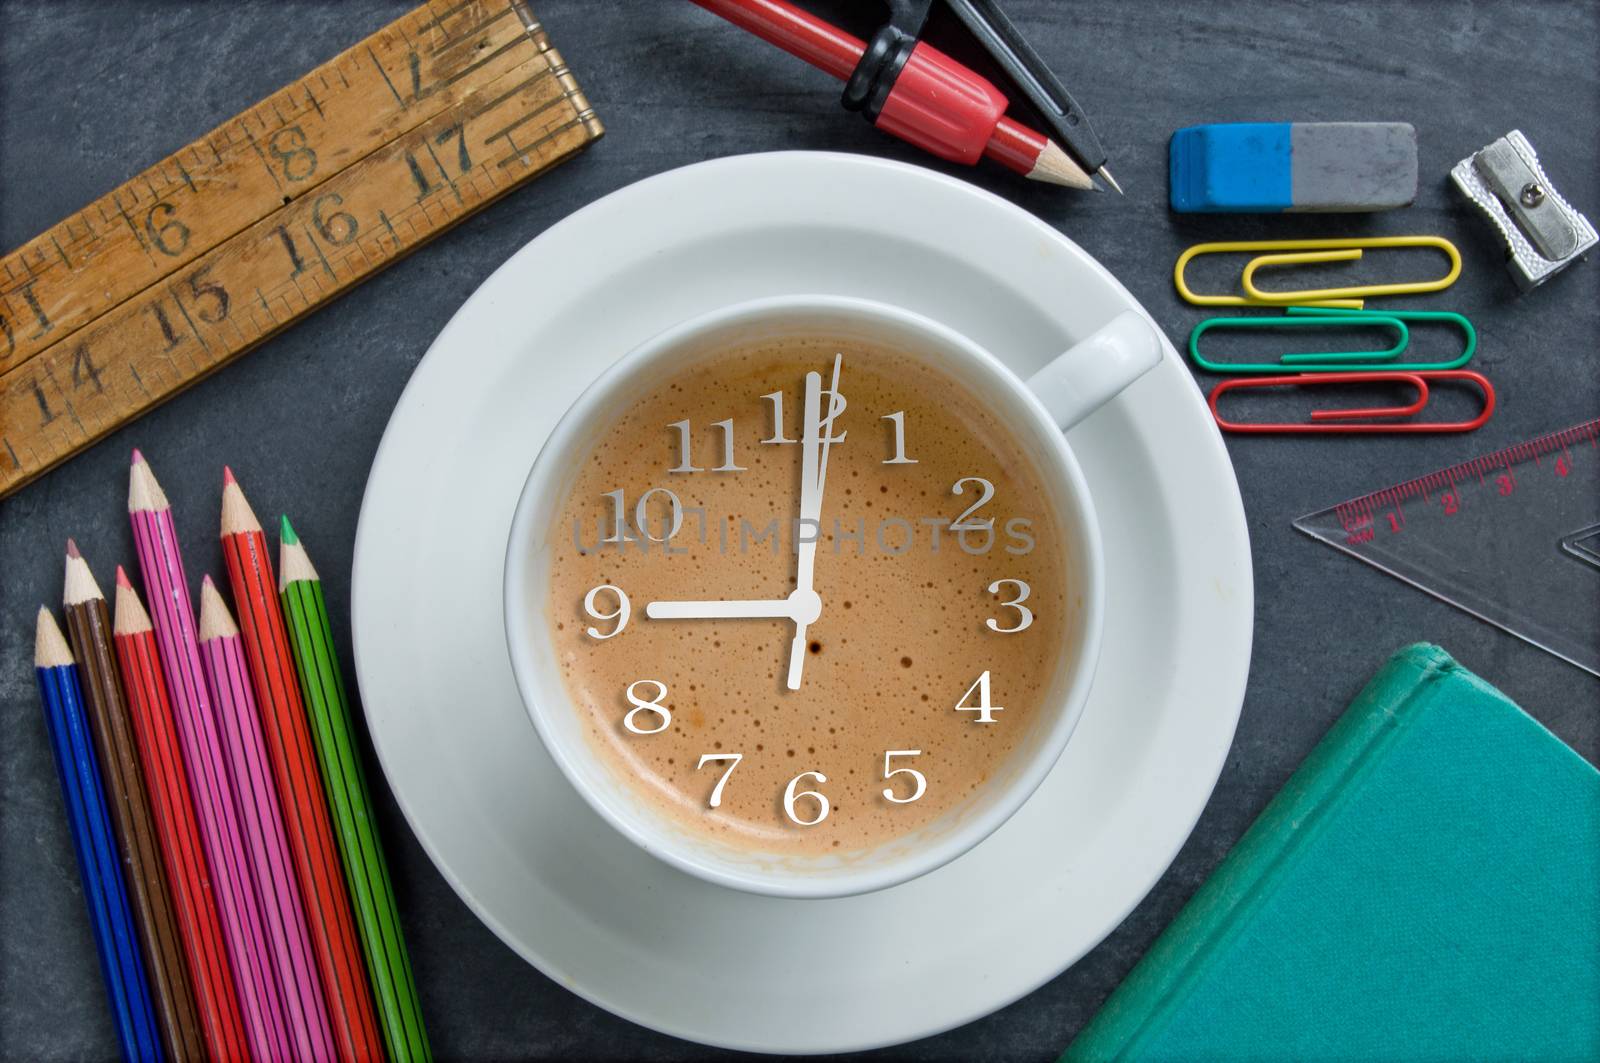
(810, 512)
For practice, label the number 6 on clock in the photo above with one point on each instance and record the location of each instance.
(789, 797)
(733, 760)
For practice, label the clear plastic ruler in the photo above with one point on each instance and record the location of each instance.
(1512, 537)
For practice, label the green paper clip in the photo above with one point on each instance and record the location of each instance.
(1337, 361)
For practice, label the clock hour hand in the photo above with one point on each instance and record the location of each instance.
(801, 606)
(774, 608)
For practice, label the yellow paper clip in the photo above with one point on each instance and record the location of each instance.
(1307, 252)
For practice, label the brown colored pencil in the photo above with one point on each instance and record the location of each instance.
(89, 628)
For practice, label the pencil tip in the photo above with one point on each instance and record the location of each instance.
(215, 620)
(1055, 166)
(286, 533)
(72, 549)
(227, 476)
(122, 578)
(138, 456)
(49, 645)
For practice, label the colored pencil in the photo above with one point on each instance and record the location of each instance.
(366, 870)
(167, 782)
(272, 870)
(221, 829)
(89, 627)
(294, 767)
(121, 964)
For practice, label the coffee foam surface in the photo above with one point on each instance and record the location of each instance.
(902, 634)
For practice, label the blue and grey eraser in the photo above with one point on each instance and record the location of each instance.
(1269, 167)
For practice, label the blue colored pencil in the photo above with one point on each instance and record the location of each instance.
(121, 964)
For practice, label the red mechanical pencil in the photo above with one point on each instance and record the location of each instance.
(935, 102)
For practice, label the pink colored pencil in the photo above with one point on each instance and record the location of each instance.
(155, 539)
(228, 679)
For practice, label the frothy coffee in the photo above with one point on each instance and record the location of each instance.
(908, 622)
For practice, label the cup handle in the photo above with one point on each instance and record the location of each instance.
(1097, 368)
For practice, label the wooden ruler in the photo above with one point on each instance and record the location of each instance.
(275, 212)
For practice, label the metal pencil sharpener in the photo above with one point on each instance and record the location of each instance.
(1542, 231)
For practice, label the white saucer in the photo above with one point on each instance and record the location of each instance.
(545, 872)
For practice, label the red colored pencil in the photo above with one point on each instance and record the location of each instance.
(300, 784)
(144, 686)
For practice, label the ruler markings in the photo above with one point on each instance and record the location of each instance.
(465, 36)
(353, 207)
(522, 153)
(401, 100)
(505, 131)
(516, 41)
(131, 227)
(315, 246)
(538, 76)
(448, 180)
(1506, 459)
(438, 20)
(213, 206)
(387, 224)
(271, 170)
(66, 402)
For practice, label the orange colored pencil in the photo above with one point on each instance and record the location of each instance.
(300, 786)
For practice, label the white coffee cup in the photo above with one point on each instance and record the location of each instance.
(1037, 411)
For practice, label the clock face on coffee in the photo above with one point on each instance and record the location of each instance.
(809, 595)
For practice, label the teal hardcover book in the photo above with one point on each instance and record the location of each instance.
(1426, 886)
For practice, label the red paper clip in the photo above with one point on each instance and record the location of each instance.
(1369, 417)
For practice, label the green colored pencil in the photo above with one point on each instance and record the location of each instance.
(366, 871)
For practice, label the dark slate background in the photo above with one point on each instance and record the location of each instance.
(92, 92)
